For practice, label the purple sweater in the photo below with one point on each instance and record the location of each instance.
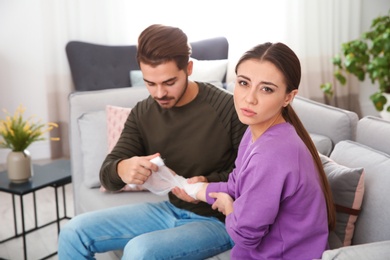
(279, 207)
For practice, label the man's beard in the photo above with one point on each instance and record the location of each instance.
(172, 98)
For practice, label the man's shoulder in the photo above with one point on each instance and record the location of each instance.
(220, 100)
(213, 93)
(214, 89)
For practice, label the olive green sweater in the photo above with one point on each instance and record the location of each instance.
(200, 138)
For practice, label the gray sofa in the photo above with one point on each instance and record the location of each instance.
(336, 132)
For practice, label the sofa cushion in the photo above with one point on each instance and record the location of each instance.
(136, 78)
(212, 71)
(323, 143)
(93, 131)
(93, 199)
(373, 223)
(373, 251)
(370, 132)
(335, 123)
(347, 185)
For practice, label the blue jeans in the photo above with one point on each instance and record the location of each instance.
(143, 231)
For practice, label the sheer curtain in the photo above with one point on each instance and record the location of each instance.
(316, 31)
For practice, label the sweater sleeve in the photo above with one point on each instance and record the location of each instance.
(226, 187)
(264, 181)
(128, 145)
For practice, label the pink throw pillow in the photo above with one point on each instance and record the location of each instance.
(116, 119)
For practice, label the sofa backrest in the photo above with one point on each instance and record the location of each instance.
(374, 132)
(96, 66)
(326, 124)
(371, 150)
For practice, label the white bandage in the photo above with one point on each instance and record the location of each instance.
(193, 188)
(162, 181)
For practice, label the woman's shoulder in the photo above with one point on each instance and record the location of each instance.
(277, 140)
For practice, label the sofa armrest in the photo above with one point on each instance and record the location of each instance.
(376, 250)
(89, 101)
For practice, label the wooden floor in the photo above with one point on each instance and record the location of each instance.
(42, 242)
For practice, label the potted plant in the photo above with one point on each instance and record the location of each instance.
(367, 56)
(18, 134)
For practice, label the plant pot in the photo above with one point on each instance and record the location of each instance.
(384, 114)
(19, 166)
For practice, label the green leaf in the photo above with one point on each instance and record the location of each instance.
(337, 61)
(360, 74)
(340, 77)
(379, 100)
(327, 88)
(366, 56)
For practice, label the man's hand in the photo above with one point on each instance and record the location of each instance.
(223, 203)
(181, 194)
(137, 169)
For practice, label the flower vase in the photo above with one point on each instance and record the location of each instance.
(19, 166)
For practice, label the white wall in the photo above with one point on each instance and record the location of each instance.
(33, 33)
(21, 65)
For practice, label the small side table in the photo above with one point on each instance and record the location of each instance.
(55, 174)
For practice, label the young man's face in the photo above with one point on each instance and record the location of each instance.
(166, 83)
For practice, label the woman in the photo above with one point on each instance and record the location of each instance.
(277, 201)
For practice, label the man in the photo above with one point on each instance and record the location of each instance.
(195, 128)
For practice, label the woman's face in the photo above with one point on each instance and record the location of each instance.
(260, 95)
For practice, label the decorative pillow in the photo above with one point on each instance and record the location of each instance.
(93, 134)
(212, 71)
(116, 119)
(136, 78)
(347, 185)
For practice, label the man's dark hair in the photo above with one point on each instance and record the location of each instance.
(158, 44)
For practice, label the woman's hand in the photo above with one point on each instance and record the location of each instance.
(223, 202)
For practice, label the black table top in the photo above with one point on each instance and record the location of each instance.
(53, 174)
